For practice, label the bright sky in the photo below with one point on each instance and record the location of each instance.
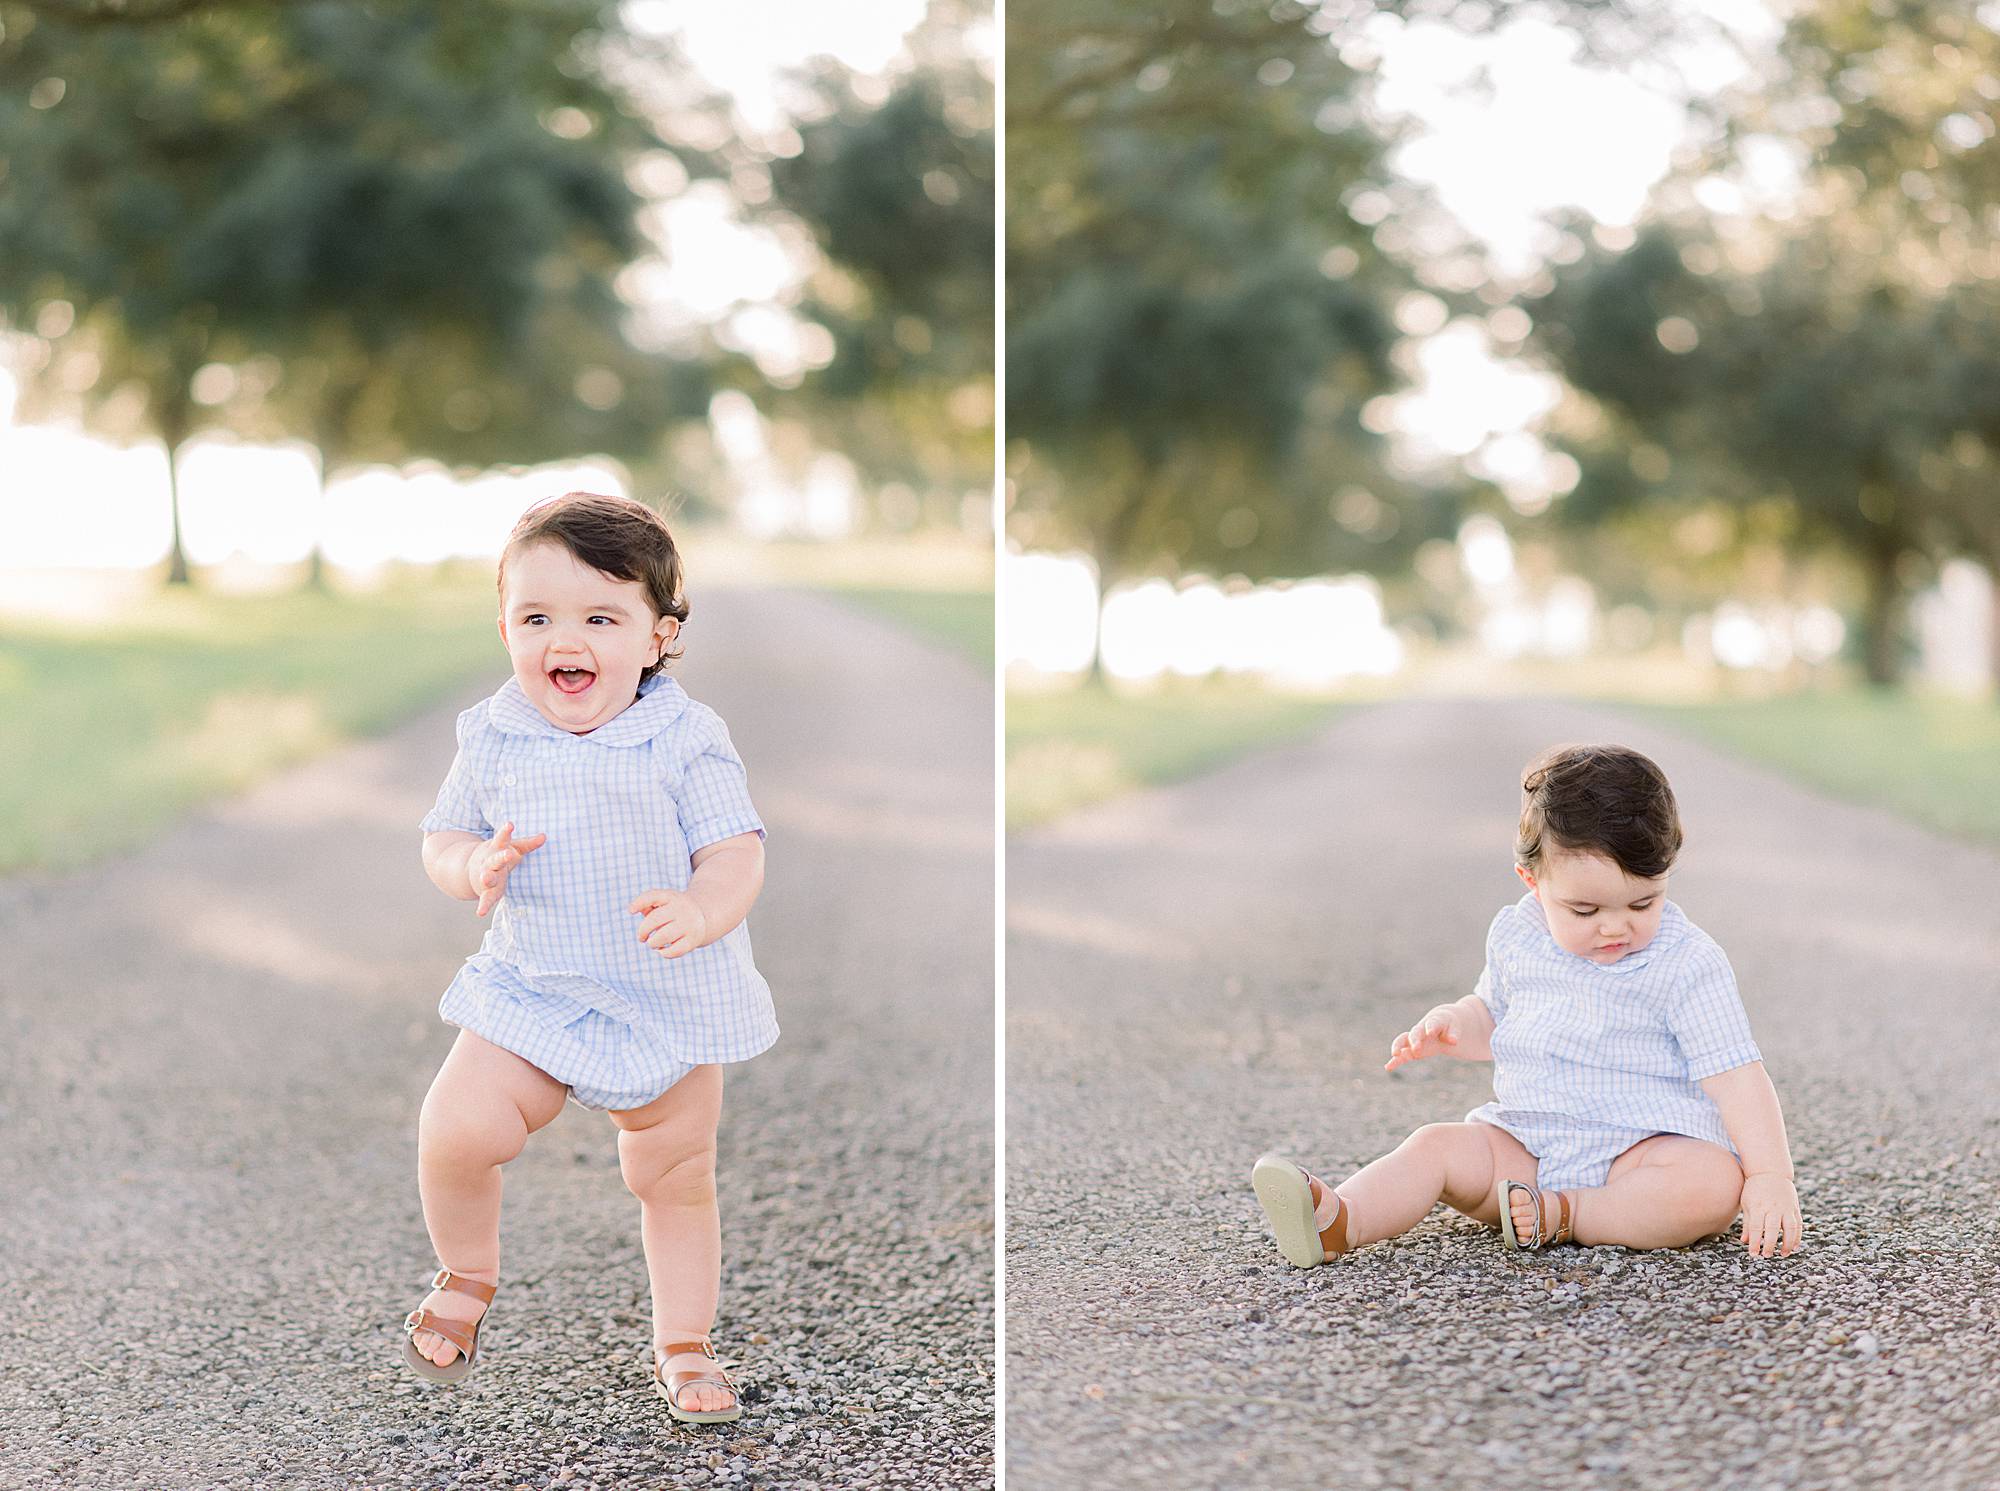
(714, 269)
(1552, 132)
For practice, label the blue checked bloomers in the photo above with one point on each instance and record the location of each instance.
(1590, 1058)
(561, 978)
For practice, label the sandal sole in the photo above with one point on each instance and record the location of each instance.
(1286, 1196)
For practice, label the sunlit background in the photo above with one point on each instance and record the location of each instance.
(1496, 491)
(731, 279)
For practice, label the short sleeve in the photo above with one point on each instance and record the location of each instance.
(1490, 989)
(1707, 1016)
(457, 805)
(715, 790)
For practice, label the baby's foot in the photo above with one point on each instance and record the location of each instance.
(1312, 1222)
(1521, 1202)
(453, 1305)
(704, 1395)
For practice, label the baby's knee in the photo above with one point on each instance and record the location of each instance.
(665, 1173)
(464, 1135)
(1717, 1187)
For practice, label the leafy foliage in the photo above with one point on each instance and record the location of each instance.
(1192, 299)
(413, 214)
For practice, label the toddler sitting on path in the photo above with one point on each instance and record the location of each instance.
(617, 970)
(1630, 1103)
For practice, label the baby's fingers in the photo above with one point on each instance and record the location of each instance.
(1761, 1236)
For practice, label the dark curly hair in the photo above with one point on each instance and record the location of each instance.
(1598, 799)
(615, 536)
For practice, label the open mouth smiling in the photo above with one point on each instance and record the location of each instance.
(571, 680)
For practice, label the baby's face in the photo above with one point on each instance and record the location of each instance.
(579, 639)
(1593, 908)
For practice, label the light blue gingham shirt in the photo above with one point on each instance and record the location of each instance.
(624, 807)
(1621, 1044)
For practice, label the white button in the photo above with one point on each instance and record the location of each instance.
(510, 779)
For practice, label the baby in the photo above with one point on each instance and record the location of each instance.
(601, 816)
(1630, 1103)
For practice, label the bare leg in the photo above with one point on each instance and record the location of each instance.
(482, 1106)
(1459, 1164)
(1664, 1192)
(666, 1152)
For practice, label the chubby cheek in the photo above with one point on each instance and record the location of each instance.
(1572, 933)
(1645, 927)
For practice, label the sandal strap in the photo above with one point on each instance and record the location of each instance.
(678, 1382)
(1562, 1232)
(459, 1284)
(1333, 1236)
(464, 1334)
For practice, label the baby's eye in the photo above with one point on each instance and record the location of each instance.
(532, 618)
(1583, 911)
(607, 620)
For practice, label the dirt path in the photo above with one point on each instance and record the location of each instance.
(212, 1056)
(1202, 973)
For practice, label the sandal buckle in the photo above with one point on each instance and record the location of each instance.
(442, 1280)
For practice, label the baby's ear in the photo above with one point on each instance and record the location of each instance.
(1526, 879)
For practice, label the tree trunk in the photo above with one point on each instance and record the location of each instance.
(333, 434)
(173, 430)
(1882, 618)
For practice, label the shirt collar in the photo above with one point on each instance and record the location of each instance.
(660, 702)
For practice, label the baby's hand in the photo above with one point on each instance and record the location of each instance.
(675, 924)
(1437, 1031)
(1771, 1222)
(493, 861)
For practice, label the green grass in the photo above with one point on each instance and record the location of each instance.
(961, 619)
(1935, 760)
(111, 730)
(1081, 745)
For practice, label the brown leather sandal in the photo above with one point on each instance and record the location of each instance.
(673, 1384)
(1286, 1194)
(464, 1334)
(1512, 1238)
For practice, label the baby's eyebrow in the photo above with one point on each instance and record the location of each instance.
(608, 607)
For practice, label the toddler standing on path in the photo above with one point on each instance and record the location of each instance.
(1630, 1103)
(602, 817)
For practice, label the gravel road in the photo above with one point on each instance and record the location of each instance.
(212, 1055)
(1202, 973)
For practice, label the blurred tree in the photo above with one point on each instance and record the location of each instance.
(409, 217)
(1197, 295)
(899, 196)
(1836, 348)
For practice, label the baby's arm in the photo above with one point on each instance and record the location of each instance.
(1749, 1107)
(728, 874)
(468, 868)
(1463, 1028)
